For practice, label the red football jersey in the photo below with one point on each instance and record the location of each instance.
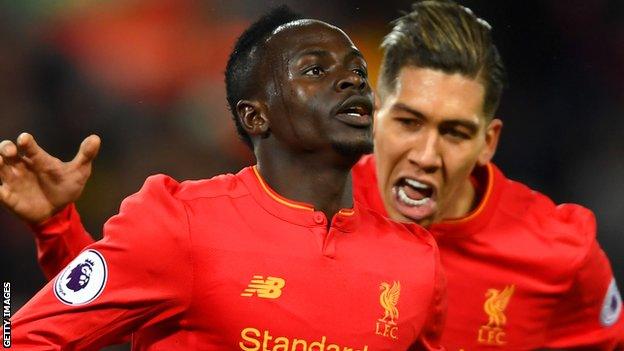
(522, 272)
(227, 263)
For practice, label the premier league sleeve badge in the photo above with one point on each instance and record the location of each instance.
(83, 280)
(611, 306)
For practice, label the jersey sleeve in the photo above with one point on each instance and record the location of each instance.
(138, 275)
(59, 240)
(589, 315)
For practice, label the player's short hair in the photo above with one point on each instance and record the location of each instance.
(445, 36)
(242, 65)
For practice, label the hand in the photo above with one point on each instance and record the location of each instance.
(36, 185)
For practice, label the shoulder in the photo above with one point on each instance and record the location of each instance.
(365, 187)
(161, 186)
(570, 227)
(402, 230)
(365, 169)
(228, 185)
(162, 203)
(539, 209)
(367, 161)
(153, 209)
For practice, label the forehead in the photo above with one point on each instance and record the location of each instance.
(435, 92)
(299, 36)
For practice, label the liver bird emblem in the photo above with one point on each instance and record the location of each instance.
(496, 304)
(388, 299)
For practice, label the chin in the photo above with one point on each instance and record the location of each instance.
(355, 148)
(423, 222)
(397, 216)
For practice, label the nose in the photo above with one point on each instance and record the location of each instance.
(426, 156)
(351, 81)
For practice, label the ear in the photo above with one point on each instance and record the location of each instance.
(252, 115)
(492, 134)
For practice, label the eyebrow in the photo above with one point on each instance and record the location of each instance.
(473, 127)
(314, 52)
(403, 107)
(354, 53)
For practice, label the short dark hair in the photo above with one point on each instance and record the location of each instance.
(242, 64)
(445, 36)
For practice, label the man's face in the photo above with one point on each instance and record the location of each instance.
(318, 96)
(430, 132)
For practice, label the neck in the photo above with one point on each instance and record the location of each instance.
(308, 177)
(463, 201)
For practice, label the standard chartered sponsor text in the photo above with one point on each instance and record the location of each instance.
(255, 340)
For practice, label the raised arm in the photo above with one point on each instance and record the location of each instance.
(126, 281)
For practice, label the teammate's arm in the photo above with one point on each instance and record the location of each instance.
(138, 275)
(39, 189)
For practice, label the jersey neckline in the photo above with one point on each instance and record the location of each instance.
(488, 178)
(292, 211)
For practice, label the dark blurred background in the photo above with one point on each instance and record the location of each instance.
(147, 76)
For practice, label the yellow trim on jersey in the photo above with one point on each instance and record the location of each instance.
(484, 200)
(346, 212)
(276, 196)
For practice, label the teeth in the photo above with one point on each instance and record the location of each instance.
(355, 114)
(409, 201)
(416, 184)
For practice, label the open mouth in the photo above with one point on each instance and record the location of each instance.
(413, 192)
(356, 111)
(414, 199)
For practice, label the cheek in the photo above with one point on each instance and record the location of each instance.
(459, 168)
(459, 160)
(302, 95)
(308, 104)
(391, 150)
(387, 140)
(306, 93)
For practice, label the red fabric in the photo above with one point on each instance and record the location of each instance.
(59, 240)
(179, 256)
(518, 237)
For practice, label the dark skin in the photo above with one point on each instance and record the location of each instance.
(311, 120)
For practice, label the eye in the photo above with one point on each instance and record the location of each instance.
(457, 134)
(361, 72)
(410, 123)
(314, 71)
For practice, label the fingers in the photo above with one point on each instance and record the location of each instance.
(36, 157)
(28, 146)
(9, 157)
(8, 154)
(8, 150)
(6, 178)
(89, 149)
(3, 170)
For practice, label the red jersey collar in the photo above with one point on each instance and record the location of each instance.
(293, 211)
(489, 179)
